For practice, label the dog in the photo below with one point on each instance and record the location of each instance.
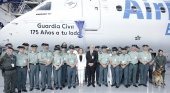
(157, 79)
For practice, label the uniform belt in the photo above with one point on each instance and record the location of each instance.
(34, 63)
(41, 64)
(21, 66)
(14, 68)
(68, 65)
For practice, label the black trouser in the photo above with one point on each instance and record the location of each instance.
(97, 72)
(150, 72)
(9, 81)
(64, 74)
(91, 74)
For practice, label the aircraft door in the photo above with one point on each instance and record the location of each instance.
(91, 14)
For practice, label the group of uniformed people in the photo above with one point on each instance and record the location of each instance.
(128, 66)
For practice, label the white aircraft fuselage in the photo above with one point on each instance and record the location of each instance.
(98, 22)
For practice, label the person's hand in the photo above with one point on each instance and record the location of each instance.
(56, 67)
(90, 64)
(123, 65)
(48, 63)
(144, 63)
(104, 65)
(28, 69)
(113, 65)
(147, 63)
(72, 66)
(150, 63)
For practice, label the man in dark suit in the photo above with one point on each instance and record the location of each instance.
(92, 58)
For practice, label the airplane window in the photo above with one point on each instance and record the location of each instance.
(47, 6)
(148, 9)
(96, 8)
(163, 9)
(1, 25)
(134, 8)
(119, 8)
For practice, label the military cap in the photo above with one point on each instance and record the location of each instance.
(57, 47)
(25, 44)
(21, 47)
(77, 47)
(104, 46)
(124, 48)
(8, 44)
(64, 46)
(34, 45)
(97, 46)
(160, 50)
(134, 46)
(44, 44)
(71, 47)
(145, 46)
(114, 49)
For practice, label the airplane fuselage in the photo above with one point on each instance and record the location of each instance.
(98, 22)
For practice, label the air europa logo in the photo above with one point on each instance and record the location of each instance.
(168, 30)
(159, 8)
(132, 7)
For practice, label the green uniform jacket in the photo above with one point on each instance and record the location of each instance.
(160, 61)
(7, 61)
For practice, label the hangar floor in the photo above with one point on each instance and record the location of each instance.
(103, 89)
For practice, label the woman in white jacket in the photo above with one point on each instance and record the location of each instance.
(81, 57)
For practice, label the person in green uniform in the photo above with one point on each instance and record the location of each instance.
(161, 61)
(115, 67)
(103, 68)
(8, 65)
(124, 59)
(33, 67)
(45, 59)
(144, 58)
(22, 64)
(57, 67)
(133, 65)
(4, 51)
(71, 67)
